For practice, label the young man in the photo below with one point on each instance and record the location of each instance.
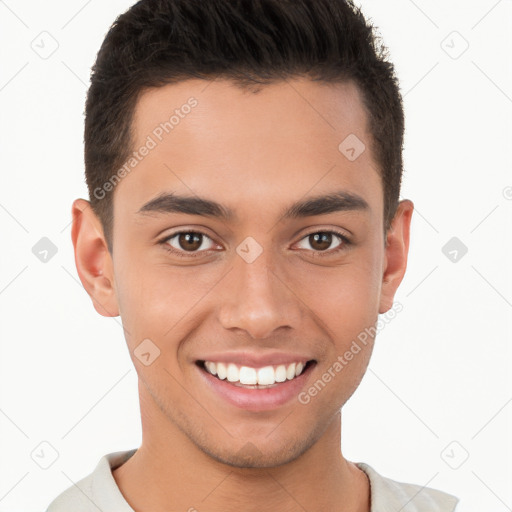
(243, 159)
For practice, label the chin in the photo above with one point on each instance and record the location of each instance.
(254, 455)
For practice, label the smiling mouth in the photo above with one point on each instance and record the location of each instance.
(255, 378)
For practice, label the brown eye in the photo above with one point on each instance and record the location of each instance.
(323, 240)
(320, 241)
(189, 241)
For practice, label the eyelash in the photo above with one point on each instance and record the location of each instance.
(183, 254)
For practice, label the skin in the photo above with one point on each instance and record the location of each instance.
(256, 154)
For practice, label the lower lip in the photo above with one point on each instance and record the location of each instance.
(262, 399)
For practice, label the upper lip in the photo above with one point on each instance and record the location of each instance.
(256, 360)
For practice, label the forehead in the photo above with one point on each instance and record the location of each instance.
(213, 138)
(291, 108)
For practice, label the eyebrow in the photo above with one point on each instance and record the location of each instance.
(193, 205)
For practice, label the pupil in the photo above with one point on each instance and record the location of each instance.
(321, 241)
(190, 241)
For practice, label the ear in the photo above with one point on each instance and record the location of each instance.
(396, 251)
(92, 258)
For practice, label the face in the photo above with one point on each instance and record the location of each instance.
(248, 242)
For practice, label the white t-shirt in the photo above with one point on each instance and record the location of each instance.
(99, 492)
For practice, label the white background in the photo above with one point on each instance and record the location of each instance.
(440, 372)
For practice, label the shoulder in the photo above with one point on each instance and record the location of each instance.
(97, 491)
(78, 497)
(388, 494)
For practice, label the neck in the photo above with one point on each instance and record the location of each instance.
(168, 470)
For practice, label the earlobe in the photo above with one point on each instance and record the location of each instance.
(396, 251)
(92, 259)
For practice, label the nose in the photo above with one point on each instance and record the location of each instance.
(258, 298)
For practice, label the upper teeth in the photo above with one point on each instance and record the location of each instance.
(247, 375)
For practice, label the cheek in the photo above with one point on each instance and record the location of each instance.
(157, 301)
(346, 302)
(345, 298)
